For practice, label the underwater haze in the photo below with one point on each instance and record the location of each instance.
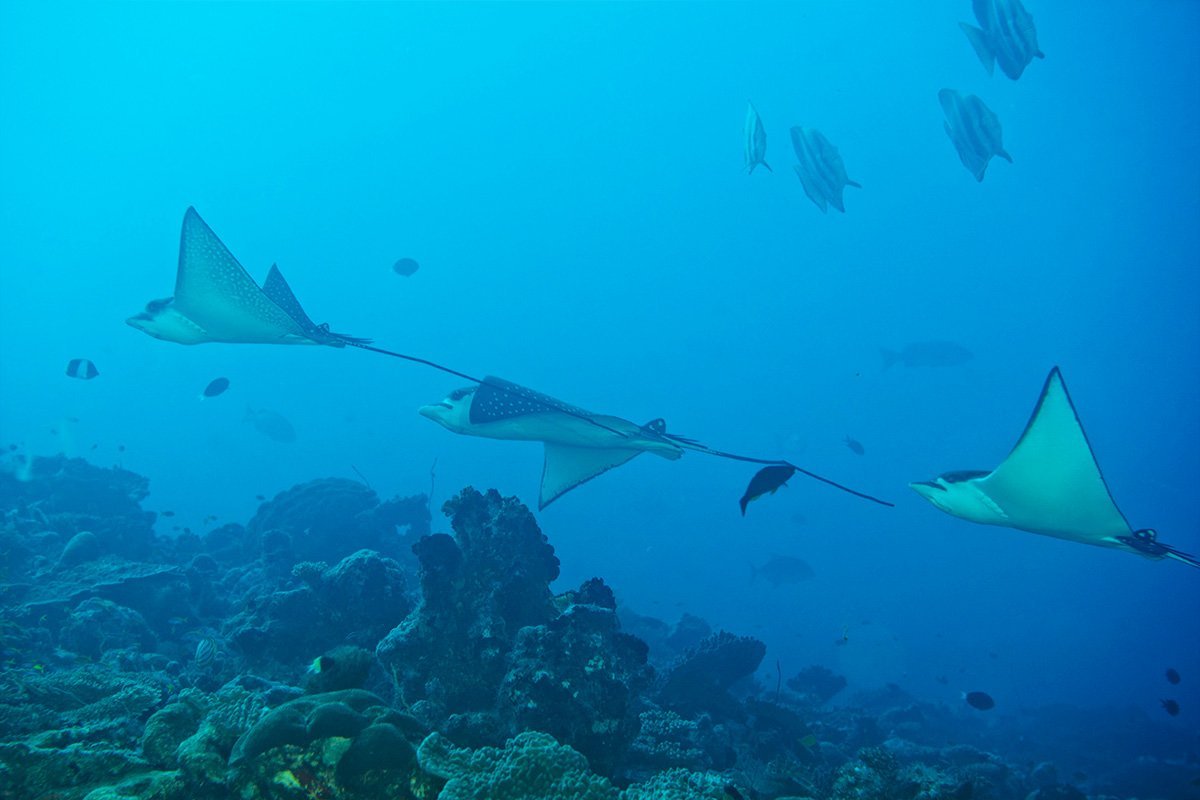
(570, 178)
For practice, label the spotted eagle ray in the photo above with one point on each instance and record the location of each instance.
(579, 445)
(216, 300)
(1049, 484)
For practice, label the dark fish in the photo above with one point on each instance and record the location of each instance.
(980, 700)
(272, 425)
(405, 267)
(974, 129)
(855, 446)
(216, 387)
(167, 513)
(927, 354)
(81, 368)
(1172, 675)
(120, 448)
(1005, 34)
(766, 481)
(1171, 707)
(783, 570)
(259, 497)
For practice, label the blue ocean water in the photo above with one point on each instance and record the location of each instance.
(570, 179)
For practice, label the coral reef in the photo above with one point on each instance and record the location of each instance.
(477, 590)
(577, 678)
(290, 659)
(530, 766)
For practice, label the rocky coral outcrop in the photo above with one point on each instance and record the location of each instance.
(478, 588)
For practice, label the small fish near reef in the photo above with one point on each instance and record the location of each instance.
(1172, 675)
(980, 700)
(855, 446)
(766, 481)
(216, 387)
(82, 369)
(1171, 707)
(207, 650)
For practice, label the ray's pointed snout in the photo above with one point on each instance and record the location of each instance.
(435, 411)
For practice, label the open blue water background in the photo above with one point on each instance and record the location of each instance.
(570, 178)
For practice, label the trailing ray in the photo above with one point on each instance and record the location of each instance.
(1049, 484)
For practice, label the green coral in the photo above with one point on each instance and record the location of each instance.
(531, 766)
(680, 784)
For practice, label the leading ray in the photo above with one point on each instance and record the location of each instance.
(1049, 484)
(216, 300)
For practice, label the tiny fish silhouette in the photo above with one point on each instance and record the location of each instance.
(82, 369)
(1171, 707)
(1172, 675)
(855, 446)
(980, 700)
(405, 267)
(216, 386)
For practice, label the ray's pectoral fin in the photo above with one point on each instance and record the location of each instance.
(567, 467)
(214, 291)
